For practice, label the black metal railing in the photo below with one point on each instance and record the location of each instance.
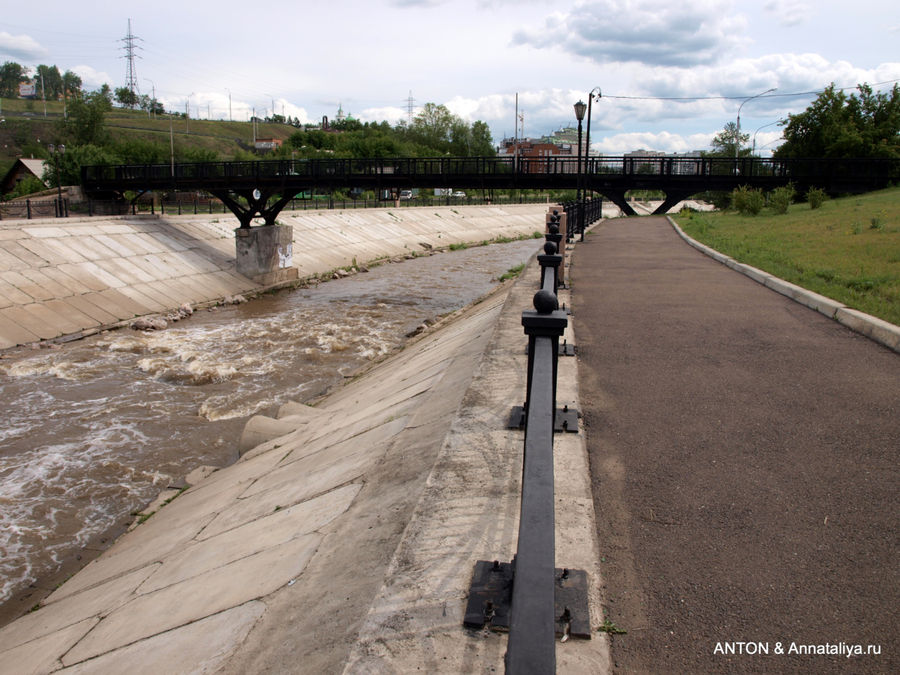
(529, 597)
(580, 214)
(533, 620)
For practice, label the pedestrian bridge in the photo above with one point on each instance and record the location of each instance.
(263, 188)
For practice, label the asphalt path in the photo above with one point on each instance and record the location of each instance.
(744, 463)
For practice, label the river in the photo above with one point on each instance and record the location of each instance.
(95, 429)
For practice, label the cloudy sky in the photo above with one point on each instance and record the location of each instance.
(671, 74)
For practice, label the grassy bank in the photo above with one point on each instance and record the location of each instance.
(848, 250)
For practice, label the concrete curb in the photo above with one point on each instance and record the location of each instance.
(882, 332)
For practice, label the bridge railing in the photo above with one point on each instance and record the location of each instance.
(504, 171)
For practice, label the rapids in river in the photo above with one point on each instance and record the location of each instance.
(95, 429)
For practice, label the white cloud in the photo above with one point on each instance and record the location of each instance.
(789, 12)
(663, 142)
(21, 47)
(391, 114)
(653, 32)
(91, 78)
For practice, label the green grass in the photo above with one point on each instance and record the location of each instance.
(512, 272)
(847, 250)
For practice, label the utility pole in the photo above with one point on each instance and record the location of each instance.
(229, 105)
(43, 94)
(410, 105)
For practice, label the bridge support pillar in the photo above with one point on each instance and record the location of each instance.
(617, 197)
(264, 253)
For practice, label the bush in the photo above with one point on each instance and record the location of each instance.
(747, 201)
(780, 198)
(815, 197)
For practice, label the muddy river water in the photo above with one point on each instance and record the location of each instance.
(94, 430)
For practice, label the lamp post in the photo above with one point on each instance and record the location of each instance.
(153, 99)
(760, 129)
(55, 152)
(587, 151)
(737, 137)
(580, 107)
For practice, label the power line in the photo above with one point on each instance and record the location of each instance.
(733, 98)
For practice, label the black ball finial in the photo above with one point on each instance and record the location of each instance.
(545, 301)
(550, 248)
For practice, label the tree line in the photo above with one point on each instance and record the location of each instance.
(52, 84)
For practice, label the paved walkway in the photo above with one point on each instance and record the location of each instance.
(743, 453)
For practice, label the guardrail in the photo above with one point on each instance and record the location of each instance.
(580, 214)
(34, 208)
(530, 597)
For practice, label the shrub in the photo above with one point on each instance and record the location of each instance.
(747, 201)
(815, 197)
(780, 198)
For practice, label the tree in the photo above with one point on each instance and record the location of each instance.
(126, 97)
(835, 125)
(432, 127)
(11, 75)
(49, 79)
(74, 158)
(71, 84)
(723, 145)
(85, 124)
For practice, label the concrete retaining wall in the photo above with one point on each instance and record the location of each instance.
(73, 277)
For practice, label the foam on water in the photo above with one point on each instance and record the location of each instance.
(94, 430)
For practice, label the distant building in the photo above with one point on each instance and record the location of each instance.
(20, 171)
(529, 148)
(268, 144)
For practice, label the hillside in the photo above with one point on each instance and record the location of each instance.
(25, 130)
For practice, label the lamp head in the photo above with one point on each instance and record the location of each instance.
(580, 107)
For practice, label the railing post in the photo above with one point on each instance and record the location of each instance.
(532, 631)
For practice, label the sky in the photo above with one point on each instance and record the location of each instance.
(670, 75)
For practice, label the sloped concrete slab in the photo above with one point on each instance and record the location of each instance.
(10, 295)
(59, 615)
(26, 285)
(11, 333)
(214, 550)
(42, 655)
(228, 586)
(306, 516)
(90, 305)
(199, 647)
(32, 323)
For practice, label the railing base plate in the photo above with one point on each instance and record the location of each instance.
(566, 419)
(490, 599)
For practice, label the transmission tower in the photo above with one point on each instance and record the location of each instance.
(410, 106)
(131, 79)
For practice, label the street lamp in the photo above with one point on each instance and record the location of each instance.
(580, 107)
(152, 100)
(737, 139)
(760, 129)
(55, 152)
(587, 151)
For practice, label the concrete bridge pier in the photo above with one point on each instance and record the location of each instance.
(264, 253)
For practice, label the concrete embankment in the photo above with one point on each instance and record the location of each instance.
(347, 543)
(72, 277)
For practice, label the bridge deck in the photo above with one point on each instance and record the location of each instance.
(262, 187)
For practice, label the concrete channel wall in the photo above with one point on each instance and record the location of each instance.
(76, 276)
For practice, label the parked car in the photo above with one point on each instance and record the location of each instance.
(459, 193)
(406, 194)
